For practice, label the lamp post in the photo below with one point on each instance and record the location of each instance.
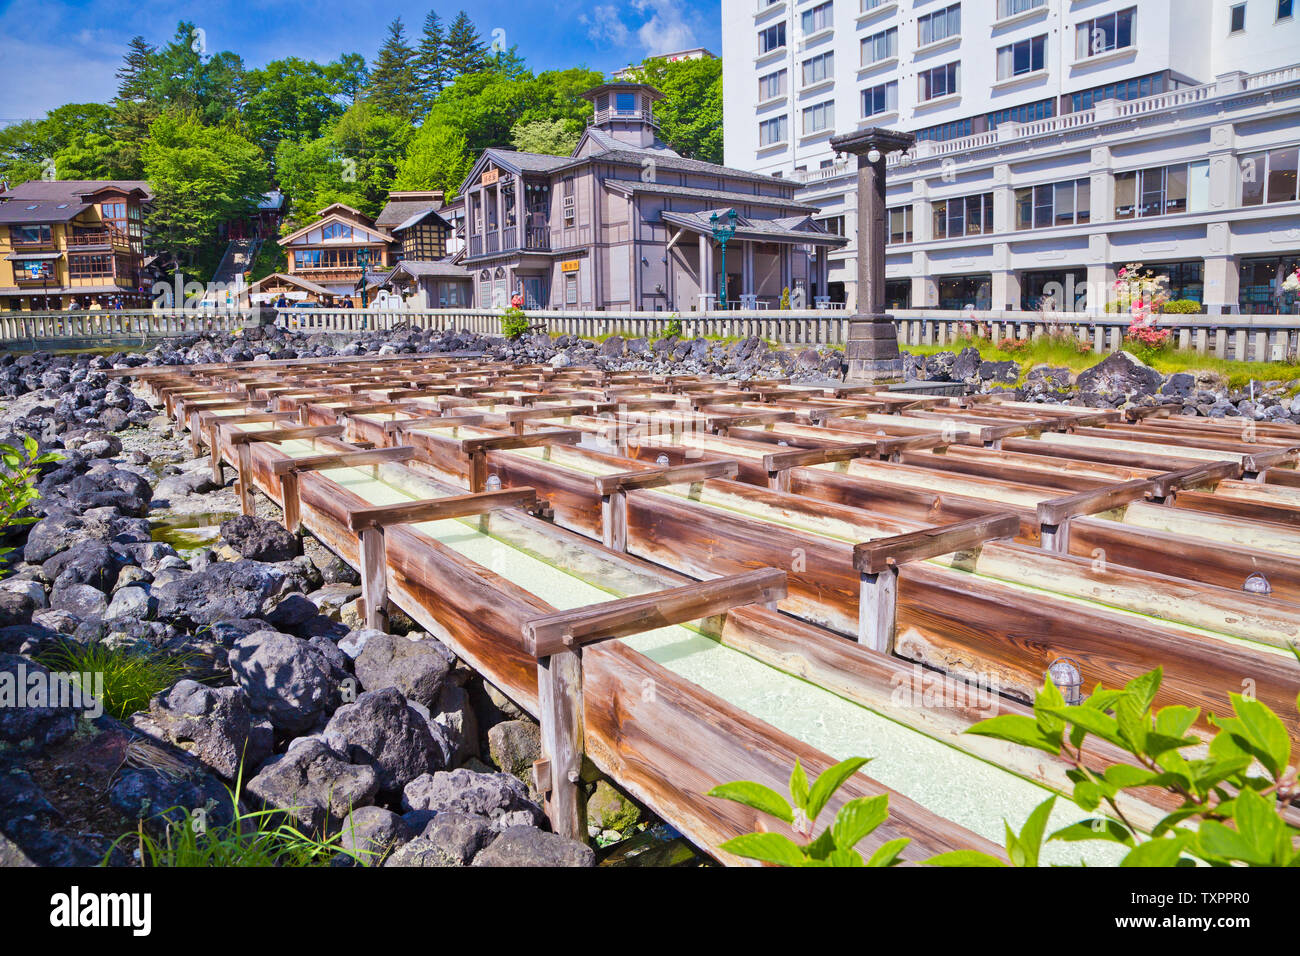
(724, 227)
(872, 346)
(363, 257)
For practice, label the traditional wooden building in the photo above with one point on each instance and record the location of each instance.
(329, 253)
(73, 244)
(624, 223)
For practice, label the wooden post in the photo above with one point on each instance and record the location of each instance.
(559, 711)
(244, 454)
(374, 577)
(214, 449)
(878, 610)
(1056, 537)
(613, 520)
(292, 504)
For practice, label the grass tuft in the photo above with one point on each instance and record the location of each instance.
(131, 677)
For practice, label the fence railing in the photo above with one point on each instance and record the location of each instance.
(1262, 338)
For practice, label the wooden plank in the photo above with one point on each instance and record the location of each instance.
(354, 459)
(439, 509)
(286, 434)
(555, 436)
(873, 557)
(1058, 510)
(878, 610)
(647, 612)
(374, 577)
(671, 475)
(782, 460)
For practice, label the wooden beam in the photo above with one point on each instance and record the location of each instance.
(560, 716)
(669, 475)
(1054, 515)
(1170, 482)
(872, 557)
(565, 630)
(286, 434)
(438, 509)
(441, 421)
(342, 459)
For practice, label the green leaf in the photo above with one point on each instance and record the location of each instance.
(1096, 723)
(1217, 840)
(1030, 841)
(831, 780)
(1018, 729)
(845, 858)
(963, 858)
(1258, 821)
(1145, 687)
(1124, 775)
(767, 848)
(859, 817)
(1175, 720)
(1097, 828)
(799, 787)
(1155, 853)
(755, 795)
(888, 853)
(823, 846)
(1263, 731)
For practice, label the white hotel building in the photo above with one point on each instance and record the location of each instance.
(1057, 140)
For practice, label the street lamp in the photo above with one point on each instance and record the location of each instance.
(363, 257)
(724, 228)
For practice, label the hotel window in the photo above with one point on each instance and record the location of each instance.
(336, 230)
(775, 130)
(966, 216)
(1237, 18)
(880, 46)
(816, 19)
(1269, 177)
(939, 25)
(1127, 90)
(29, 235)
(1112, 31)
(940, 81)
(1011, 8)
(1026, 113)
(880, 99)
(818, 68)
(84, 267)
(1162, 191)
(834, 225)
(569, 203)
(900, 225)
(771, 86)
(1027, 56)
(571, 288)
(1285, 9)
(946, 131)
(1067, 203)
(773, 38)
(818, 118)
(869, 5)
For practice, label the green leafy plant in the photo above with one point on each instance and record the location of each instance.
(1181, 307)
(131, 677)
(514, 323)
(18, 483)
(1230, 812)
(255, 838)
(785, 298)
(835, 845)
(673, 330)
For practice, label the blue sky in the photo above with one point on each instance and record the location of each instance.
(62, 51)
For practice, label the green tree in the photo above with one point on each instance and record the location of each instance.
(133, 76)
(34, 149)
(436, 159)
(350, 76)
(201, 176)
(354, 162)
(554, 137)
(431, 54)
(394, 79)
(290, 99)
(690, 115)
(179, 78)
(466, 53)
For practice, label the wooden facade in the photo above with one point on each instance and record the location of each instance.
(73, 244)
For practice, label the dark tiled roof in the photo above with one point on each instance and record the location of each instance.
(62, 190)
(530, 162)
(397, 211)
(441, 268)
(32, 210)
(636, 157)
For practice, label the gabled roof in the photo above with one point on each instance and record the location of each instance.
(418, 218)
(290, 280)
(330, 213)
(441, 268)
(17, 212)
(402, 206)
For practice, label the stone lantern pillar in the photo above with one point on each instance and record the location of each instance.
(872, 347)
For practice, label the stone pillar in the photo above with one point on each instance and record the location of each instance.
(1006, 290)
(1222, 279)
(872, 346)
(706, 265)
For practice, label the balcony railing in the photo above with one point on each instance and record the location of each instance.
(537, 237)
(103, 238)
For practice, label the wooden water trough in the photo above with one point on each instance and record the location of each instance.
(918, 538)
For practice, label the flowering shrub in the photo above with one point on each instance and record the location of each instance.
(1292, 283)
(1141, 293)
(1014, 346)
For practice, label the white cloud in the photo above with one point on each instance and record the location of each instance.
(667, 30)
(605, 27)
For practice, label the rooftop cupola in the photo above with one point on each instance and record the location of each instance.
(625, 111)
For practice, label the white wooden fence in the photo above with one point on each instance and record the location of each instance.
(1246, 337)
